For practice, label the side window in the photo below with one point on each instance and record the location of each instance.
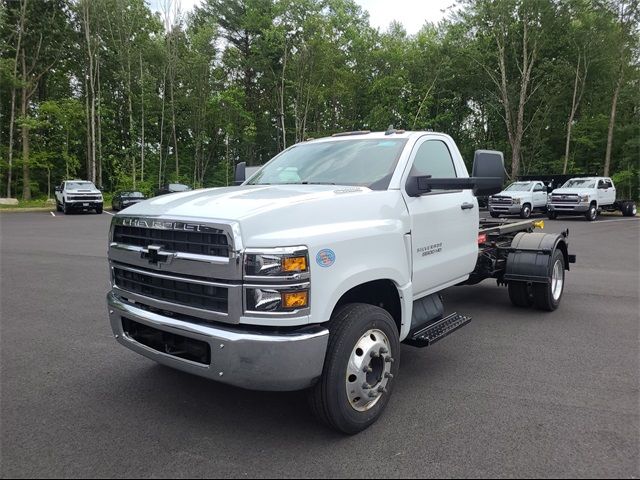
(538, 188)
(608, 183)
(601, 184)
(433, 158)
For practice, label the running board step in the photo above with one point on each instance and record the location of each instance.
(437, 330)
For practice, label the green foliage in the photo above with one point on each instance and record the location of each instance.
(238, 80)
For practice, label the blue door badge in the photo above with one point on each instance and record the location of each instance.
(325, 258)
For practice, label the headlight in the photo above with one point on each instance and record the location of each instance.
(273, 299)
(516, 201)
(584, 198)
(288, 262)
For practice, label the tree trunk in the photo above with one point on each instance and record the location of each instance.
(99, 127)
(141, 122)
(612, 121)
(12, 117)
(26, 180)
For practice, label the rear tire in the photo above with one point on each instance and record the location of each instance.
(552, 215)
(629, 209)
(547, 296)
(520, 294)
(335, 399)
(526, 211)
(592, 213)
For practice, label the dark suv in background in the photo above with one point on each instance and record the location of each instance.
(123, 200)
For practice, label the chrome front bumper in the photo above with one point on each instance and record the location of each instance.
(511, 209)
(256, 361)
(568, 207)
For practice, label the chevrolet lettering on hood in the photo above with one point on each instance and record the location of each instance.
(165, 225)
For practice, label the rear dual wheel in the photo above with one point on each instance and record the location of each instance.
(545, 296)
(629, 209)
(358, 377)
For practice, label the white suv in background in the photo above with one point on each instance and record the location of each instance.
(78, 195)
(519, 198)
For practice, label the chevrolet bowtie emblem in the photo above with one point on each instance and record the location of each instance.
(154, 256)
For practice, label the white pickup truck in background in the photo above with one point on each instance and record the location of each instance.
(588, 196)
(78, 195)
(519, 198)
(311, 274)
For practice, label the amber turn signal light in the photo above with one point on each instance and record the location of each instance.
(295, 299)
(294, 264)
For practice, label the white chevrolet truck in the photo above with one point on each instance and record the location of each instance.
(311, 274)
(519, 198)
(78, 195)
(588, 196)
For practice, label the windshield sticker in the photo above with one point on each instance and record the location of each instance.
(325, 258)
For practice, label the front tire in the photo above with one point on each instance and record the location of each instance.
(495, 215)
(552, 215)
(65, 208)
(361, 364)
(526, 211)
(547, 296)
(592, 213)
(99, 210)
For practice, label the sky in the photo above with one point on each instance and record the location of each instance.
(411, 13)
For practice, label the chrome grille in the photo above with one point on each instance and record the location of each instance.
(183, 292)
(212, 242)
(501, 200)
(559, 198)
(183, 267)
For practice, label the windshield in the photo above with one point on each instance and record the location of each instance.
(580, 183)
(80, 185)
(368, 163)
(519, 187)
(178, 187)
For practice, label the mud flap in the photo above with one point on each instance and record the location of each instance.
(529, 258)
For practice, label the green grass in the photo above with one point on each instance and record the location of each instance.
(42, 203)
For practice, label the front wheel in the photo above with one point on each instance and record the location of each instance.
(65, 208)
(99, 210)
(359, 370)
(552, 215)
(495, 215)
(526, 211)
(547, 296)
(592, 213)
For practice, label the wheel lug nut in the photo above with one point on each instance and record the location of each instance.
(366, 386)
(375, 355)
(383, 351)
(373, 394)
(388, 375)
(382, 390)
(389, 360)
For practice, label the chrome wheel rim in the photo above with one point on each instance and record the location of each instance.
(557, 280)
(369, 370)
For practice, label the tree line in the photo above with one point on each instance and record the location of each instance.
(127, 97)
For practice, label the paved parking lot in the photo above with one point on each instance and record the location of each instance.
(515, 393)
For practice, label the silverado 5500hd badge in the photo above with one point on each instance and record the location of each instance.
(430, 249)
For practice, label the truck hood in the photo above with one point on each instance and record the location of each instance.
(571, 191)
(268, 215)
(513, 194)
(75, 191)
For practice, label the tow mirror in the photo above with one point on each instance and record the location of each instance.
(58, 189)
(241, 173)
(487, 177)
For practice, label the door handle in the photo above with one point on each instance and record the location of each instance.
(466, 206)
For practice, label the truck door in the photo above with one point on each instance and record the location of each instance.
(611, 191)
(539, 195)
(444, 224)
(603, 195)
